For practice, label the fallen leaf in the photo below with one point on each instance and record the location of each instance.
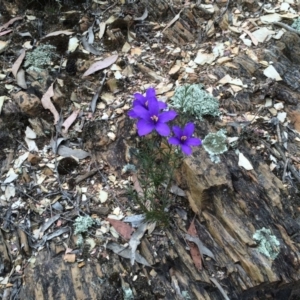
(2, 99)
(244, 162)
(204, 58)
(126, 253)
(11, 176)
(3, 45)
(135, 220)
(21, 79)
(172, 21)
(135, 240)
(69, 121)
(99, 65)
(271, 72)
(5, 32)
(194, 250)
(137, 185)
(47, 104)
(11, 21)
(88, 47)
(214, 280)
(102, 27)
(103, 196)
(143, 17)
(66, 151)
(262, 34)
(18, 63)
(55, 33)
(271, 18)
(174, 69)
(122, 228)
(73, 44)
(252, 37)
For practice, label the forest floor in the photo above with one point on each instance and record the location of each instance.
(68, 74)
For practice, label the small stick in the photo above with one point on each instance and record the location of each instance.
(287, 27)
(278, 134)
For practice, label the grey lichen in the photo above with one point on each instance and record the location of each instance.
(79, 242)
(193, 100)
(296, 24)
(82, 224)
(268, 243)
(129, 168)
(40, 57)
(215, 144)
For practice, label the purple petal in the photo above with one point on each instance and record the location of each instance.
(153, 107)
(174, 141)
(141, 112)
(188, 130)
(144, 127)
(193, 142)
(138, 102)
(162, 105)
(140, 98)
(178, 131)
(162, 129)
(167, 116)
(186, 149)
(150, 93)
(132, 114)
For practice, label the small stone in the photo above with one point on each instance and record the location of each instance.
(29, 104)
(103, 196)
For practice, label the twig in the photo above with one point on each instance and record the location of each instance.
(289, 165)
(284, 170)
(279, 134)
(86, 175)
(287, 27)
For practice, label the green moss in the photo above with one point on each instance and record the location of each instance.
(82, 224)
(40, 57)
(268, 243)
(193, 100)
(215, 144)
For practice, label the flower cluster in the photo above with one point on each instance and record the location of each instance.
(151, 115)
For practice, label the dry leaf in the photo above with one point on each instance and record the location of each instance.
(122, 228)
(99, 65)
(126, 252)
(21, 79)
(174, 69)
(5, 32)
(66, 32)
(47, 104)
(195, 252)
(66, 151)
(137, 185)
(10, 22)
(143, 17)
(271, 72)
(252, 37)
(102, 27)
(172, 21)
(135, 240)
(244, 162)
(69, 121)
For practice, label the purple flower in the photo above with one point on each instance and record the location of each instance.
(152, 119)
(183, 138)
(141, 100)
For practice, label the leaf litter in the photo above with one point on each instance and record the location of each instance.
(145, 68)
